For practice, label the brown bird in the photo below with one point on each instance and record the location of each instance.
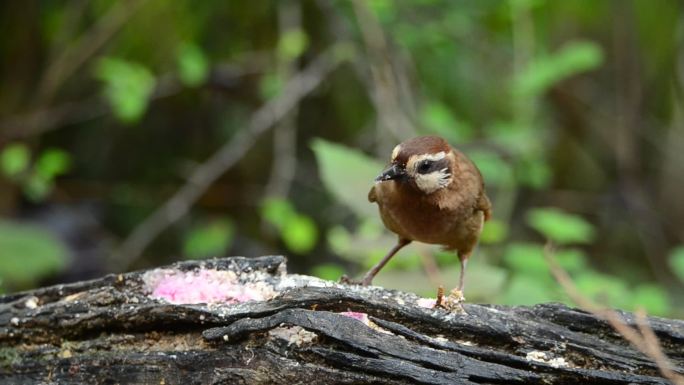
(431, 193)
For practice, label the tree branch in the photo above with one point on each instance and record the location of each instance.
(166, 325)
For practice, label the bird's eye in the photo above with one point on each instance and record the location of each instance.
(424, 166)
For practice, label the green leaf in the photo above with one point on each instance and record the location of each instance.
(300, 234)
(14, 159)
(653, 298)
(571, 260)
(277, 211)
(329, 271)
(559, 226)
(347, 174)
(545, 72)
(676, 262)
(193, 65)
(292, 44)
(604, 289)
(518, 139)
(495, 170)
(527, 259)
(339, 240)
(28, 253)
(494, 231)
(534, 173)
(209, 239)
(128, 87)
(438, 119)
(524, 290)
(53, 162)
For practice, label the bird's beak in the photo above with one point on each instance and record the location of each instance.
(392, 172)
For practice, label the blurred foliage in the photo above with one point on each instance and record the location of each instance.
(210, 239)
(572, 110)
(15, 160)
(298, 231)
(35, 178)
(292, 44)
(128, 87)
(345, 173)
(545, 72)
(28, 253)
(193, 65)
(677, 262)
(560, 227)
(330, 271)
(437, 118)
(529, 277)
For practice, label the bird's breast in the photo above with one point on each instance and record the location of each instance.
(421, 218)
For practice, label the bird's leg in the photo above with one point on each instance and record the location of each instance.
(453, 301)
(368, 278)
(456, 295)
(461, 278)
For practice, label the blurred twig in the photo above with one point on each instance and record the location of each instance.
(285, 134)
(524, 108)
(633, 199)
(73, 57)
(44, 120)
(299, 86)
(642, 337)
(74, 12)
(65, 63)
(386, 91)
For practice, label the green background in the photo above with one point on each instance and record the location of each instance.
(571, 109)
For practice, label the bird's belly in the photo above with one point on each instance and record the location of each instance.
(425, 224)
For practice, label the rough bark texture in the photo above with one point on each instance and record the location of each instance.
(111, 331)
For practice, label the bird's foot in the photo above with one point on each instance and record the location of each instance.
(452, 302)
(348, 281)
(456, 295)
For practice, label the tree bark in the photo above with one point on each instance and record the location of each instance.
(114, 331)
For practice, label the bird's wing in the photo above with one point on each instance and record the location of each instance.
(371, 195)
(485, 205)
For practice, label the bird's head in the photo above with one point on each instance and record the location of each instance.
(424, 163)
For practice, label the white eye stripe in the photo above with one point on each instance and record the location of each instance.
(396, 151)
(433, 157)
(416, 161)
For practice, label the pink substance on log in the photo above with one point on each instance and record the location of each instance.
(427, 302)
(363, 317)
(204, 286)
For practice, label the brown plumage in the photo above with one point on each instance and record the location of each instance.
(431, 193)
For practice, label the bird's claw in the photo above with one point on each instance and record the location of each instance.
(456, 295)
(452, 302)
(345, 279)
(348, 281)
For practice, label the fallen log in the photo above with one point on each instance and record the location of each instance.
(246, 321)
